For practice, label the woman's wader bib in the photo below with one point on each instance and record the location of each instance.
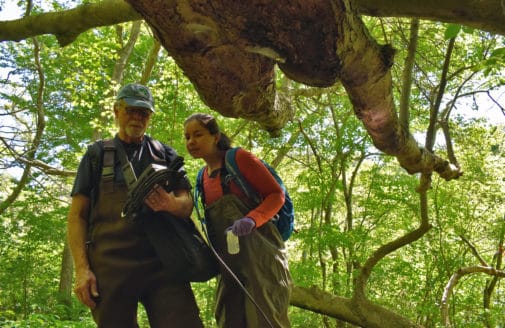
(261, 265)
(128, 271)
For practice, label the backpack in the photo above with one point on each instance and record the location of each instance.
(283, 220)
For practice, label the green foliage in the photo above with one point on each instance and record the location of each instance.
(32, 238)
(204, 293)
(350, 200)
(46, 321)
(452, 31)
(495, 63)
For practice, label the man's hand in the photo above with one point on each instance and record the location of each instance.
(85, 280)
(86, 287)
(160, 200)
(177, 202)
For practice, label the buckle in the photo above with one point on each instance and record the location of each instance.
(106, 171)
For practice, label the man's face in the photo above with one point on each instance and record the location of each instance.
(132, 121)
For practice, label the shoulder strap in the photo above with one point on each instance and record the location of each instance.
(102, 154)
(199, 193)
(233, 169)
(199, 187)
(107, 179)
(95, 151)
(159, 148)
(159, 151)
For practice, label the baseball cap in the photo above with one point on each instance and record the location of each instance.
(137, 95)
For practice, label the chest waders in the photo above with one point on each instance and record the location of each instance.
(128, 271)
(261, 265)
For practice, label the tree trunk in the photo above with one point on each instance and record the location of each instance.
(66, 274)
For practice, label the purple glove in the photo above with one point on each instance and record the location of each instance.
(243, 226)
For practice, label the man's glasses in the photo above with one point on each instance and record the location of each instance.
(137, 111)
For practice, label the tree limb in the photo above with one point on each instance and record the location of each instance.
(345, 309)
(498, 257)
(47, 169)
(380, 253)
(407, 74)
(483, 14)
(68, 24)
(435, 108)
(220, 55)
(454, 281)
(474, 251)
(151, 61)
(40, 126)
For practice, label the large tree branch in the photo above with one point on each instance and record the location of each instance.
(365, 74)
(228, 50)
(487, 15)
(67, 25)
(345, 309)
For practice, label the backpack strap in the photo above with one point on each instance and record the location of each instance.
(284, 219)
(158, 147)
(102, 153)
(199, 188)
(199, 193)
(228, 173)
(233, 169)
(107, 179)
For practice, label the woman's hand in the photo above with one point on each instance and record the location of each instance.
(243, 226)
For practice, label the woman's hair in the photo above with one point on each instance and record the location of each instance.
(210, 123)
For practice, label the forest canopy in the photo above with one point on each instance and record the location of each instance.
(378, 244)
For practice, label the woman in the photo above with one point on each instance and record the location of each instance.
(261, 263)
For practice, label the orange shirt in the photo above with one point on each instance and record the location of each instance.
(258, 177)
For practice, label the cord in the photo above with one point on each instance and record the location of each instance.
(230, 271)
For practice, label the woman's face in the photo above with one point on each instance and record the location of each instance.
(200, 143)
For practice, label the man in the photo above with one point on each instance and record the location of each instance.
(116, 265)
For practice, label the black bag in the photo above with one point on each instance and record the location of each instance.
(181, 248)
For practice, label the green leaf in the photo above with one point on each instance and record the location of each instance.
(468, 29)
(499, 52)
(452, 31)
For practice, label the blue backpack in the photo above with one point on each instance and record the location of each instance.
(283, 220)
